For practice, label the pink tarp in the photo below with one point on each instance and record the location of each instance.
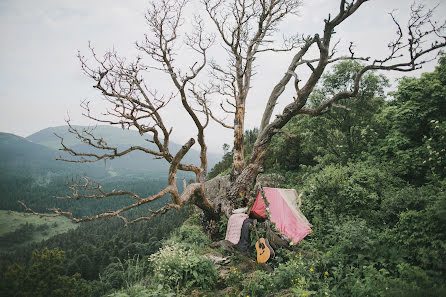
(234, 228)
(284, 212)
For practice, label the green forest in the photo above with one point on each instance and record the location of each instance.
(372, 177)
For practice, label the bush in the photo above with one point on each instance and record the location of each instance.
(303, 277)
(192, 235)
(259, 285)
(353, 190)
(179, 268)
(234, 278)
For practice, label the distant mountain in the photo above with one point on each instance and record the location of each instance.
(19, 156)
(114, 136)
(134, 161)
(20, 152)
(30, 172)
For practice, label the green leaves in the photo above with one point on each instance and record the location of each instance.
(178, 268)
(415, 124)
(43, 277)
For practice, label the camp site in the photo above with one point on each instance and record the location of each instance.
(234, 148)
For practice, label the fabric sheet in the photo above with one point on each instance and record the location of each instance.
(284, 212)
(233, 230)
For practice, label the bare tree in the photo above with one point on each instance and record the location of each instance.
(244, 29)
(406, 53)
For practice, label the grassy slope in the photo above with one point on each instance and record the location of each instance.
(12, 220)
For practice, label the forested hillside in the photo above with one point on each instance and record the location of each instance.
(31, 173)
(373, 179)
(76, 258)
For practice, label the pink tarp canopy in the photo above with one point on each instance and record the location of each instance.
(284, 212)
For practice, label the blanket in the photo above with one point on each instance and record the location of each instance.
(234, 228)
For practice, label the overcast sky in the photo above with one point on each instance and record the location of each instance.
(41, 81)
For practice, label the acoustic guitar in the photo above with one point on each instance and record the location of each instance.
(263, 248)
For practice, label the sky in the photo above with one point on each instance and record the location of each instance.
(41, 83)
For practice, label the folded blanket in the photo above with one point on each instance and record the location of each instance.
(234, 228)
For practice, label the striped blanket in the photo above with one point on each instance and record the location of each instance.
(234, 228)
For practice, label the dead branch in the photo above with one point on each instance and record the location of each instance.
(415, 51)
(97, 192)
(419, 20)
(97, 188)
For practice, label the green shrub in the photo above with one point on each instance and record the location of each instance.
(192, 235)
(303, 277)
(178, 268)
(259, 285)
(353, 190)
(234, 278)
